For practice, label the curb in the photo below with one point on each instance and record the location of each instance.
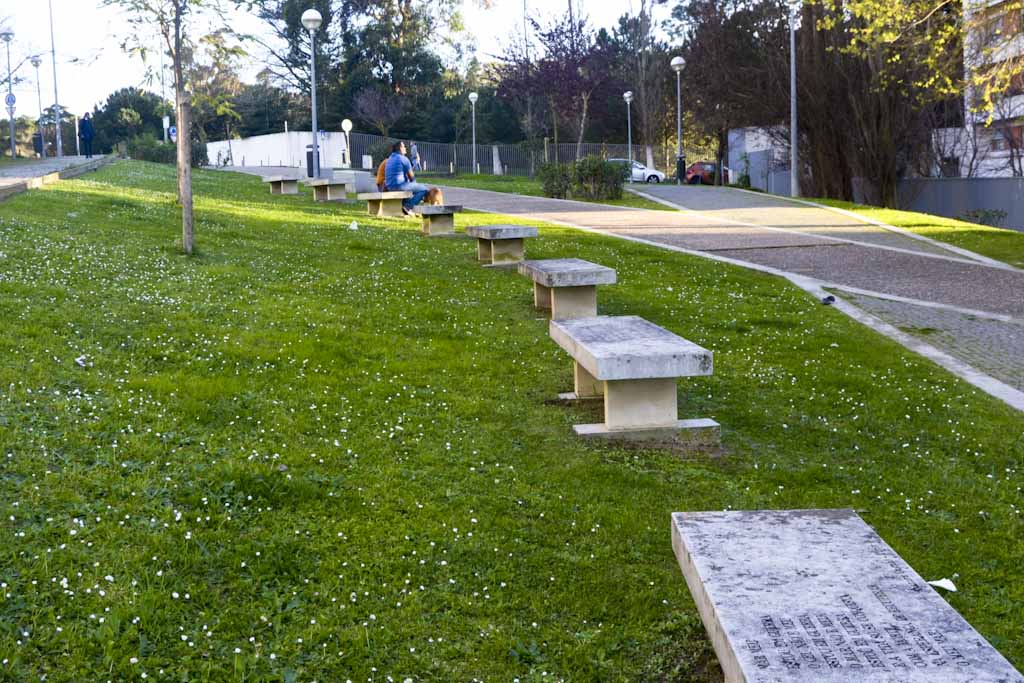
(8, 191)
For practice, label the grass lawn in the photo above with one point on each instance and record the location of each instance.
(317, 453)
(998, 243)
(529, 187)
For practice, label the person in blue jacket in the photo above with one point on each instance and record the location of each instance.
(398, 175)
(87, 133)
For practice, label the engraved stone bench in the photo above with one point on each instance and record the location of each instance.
(633, 364)
(384, 204)
(816, 596)
(500, 245)
(438, 221)
(330, 189)
(280, 184)
(567, 286)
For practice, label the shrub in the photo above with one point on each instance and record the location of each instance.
(146, 147)
(595, 178)
(556, 180)
(199, 156)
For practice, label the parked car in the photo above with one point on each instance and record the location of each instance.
(703, 173)
(641, 174)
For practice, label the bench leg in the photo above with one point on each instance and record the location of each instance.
(275, 188)
(320, 194)
(373, 207)
(440, 224)
(290, 187)
(483, 250)
(640, 404)
(541, 296)
(568, 303)
(585, 384)
(337, 193)
(506, 251)
(391, 208)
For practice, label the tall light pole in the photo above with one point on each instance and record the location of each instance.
(628, 97)
(794, 135)
(311, 19)
(56, 99)
(473, 97)
(677, 64)
(36, 62)
(7, 37)
(346, 127)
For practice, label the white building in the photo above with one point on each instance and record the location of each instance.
(991, 144)
(279, 149)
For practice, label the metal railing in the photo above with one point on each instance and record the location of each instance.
(515, 159)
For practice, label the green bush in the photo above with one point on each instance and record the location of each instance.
(146, 147)
(556, 180)
(595, 178)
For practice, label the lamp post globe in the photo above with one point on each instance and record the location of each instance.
(312, 20)
(473, 97)
(677, 64)
(346, 128)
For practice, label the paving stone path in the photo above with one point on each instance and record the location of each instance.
(965, 307)
(25, 169)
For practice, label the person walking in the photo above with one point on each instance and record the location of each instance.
(87, 133)
(414, 156)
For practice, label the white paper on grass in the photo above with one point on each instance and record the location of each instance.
(353, 226)
(945, 584)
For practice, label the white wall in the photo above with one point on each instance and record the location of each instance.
(277, 149)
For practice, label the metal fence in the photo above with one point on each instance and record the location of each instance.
(521, 159)
(1002, 199)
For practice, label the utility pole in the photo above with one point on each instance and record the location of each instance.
(7, 37)
(56, 99)
(794, 134)
(36, 62)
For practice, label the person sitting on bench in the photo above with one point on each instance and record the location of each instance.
(399, 177)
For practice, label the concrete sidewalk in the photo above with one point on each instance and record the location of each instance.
(914, 285)
(25, 174)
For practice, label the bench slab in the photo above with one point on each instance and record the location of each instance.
(280, 179)
(371, 196)
(629, 348)
(434, 210)
(501, 232)
(567, 272)
(816, 596)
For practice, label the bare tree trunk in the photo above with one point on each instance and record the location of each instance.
(583, 124)
(184, 112)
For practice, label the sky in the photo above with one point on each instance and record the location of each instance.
(91, 63)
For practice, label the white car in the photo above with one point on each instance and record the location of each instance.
(641, 174)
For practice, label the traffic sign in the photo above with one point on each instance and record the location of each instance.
(173, 132)
(10, 99)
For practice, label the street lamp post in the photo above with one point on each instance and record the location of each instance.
(346, 127)
(473, 97)
(794, 140)
(56, 100)
(677, 64)
(36, 62)
(312, 20)
(628, 97)
(7, 37)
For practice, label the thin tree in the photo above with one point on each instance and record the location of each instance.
(170, 18)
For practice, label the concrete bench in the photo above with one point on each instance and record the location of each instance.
(500, 245)
(384, 204)
(330, 189)
(567, 286)
(633, 364)
(816, 596)
(438, 221)
(280, 184)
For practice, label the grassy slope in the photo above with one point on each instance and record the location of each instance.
(1003, 245)
(331, 446)
(526, 186)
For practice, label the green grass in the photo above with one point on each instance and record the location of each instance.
(528, 187)
(997, 243)
(316, 453)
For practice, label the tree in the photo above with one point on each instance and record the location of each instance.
(379, 109)
(113, 125)
(171, 19)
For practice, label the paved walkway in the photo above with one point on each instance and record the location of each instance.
(914, 285)
(25, 169)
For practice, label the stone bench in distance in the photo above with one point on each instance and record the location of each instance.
(330, 189)
(438, 221)
(280, 184)
(500, 245)
(633, 365)
(567, 286)
(816, 596)
(384, 204)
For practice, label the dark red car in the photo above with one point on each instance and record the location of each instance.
(703, 173)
